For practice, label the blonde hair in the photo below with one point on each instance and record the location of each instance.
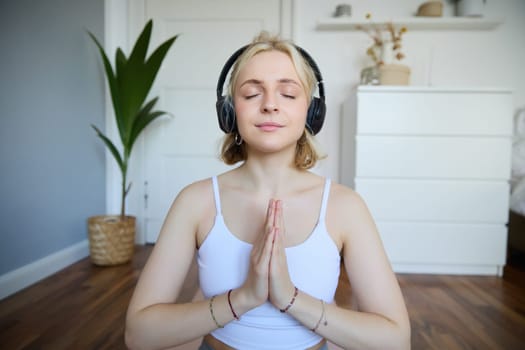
(306, 152)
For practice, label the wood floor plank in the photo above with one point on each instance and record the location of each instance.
(84, 306)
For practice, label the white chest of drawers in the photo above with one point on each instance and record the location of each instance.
(433, 165)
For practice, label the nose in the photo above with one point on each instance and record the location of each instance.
(270, 104)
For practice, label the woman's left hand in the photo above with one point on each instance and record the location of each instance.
(281, 286)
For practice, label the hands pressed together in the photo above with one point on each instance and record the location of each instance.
(268, 276)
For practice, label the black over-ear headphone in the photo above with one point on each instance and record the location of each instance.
(226, 111)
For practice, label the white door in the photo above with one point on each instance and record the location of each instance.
(184, 148)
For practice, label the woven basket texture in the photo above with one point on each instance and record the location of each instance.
(111, 240)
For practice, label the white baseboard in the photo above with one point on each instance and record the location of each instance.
(24, 276)
(442, 269)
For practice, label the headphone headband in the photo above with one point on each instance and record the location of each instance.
(226, 111)
(315, 68)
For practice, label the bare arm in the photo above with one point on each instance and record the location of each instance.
(154, 320)
(381, 321)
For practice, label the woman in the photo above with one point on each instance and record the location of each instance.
(269, 234)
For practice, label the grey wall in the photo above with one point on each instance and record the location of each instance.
(52, 173)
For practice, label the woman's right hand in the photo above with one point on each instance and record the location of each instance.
(256, 286)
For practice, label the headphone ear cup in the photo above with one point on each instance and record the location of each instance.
(315, 115)
(225, 115)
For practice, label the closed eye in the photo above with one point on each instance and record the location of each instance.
(250, 96)
(289, 96)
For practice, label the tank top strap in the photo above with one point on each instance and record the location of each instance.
(324, 203)
(216, 195)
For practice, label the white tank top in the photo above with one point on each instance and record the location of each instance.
(313, 266)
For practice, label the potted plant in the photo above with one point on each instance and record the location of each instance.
(386, 55)
(112, 237)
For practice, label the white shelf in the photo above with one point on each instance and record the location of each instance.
(434, 89)
(413, 23)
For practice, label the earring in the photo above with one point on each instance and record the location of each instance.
(238, 139)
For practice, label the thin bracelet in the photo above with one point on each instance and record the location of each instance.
(231, 307)
(296, 291)
(320, 318)
(213, 315)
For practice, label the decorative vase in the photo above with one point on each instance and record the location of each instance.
(470, 8)
(394, 74)
(370, 76)
(111, 240)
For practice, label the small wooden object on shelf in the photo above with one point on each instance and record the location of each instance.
(430, 9)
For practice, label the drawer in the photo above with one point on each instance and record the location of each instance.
(433, 243)
(433, 157)
(452, 201)
(434, 112)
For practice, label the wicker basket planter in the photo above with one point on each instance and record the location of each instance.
(111, 240)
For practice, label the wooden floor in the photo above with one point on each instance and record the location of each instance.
(83, 307)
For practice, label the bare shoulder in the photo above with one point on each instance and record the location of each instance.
(345, 199)
(195, 189)
(193, 203)
(196, 195)
(347, 215)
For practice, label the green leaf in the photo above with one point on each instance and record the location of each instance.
(142, 120)
(122, 124)
(130, 80)
(121, 61)
(141, 115)
(138, 54)
(154, 62)
(111, 147)
(111, 78)
(145, 73)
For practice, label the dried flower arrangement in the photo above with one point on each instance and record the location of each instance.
(377, 50)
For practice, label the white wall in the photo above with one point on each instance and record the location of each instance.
(492, 58)
(489, 58)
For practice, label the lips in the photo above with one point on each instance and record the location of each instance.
(269, 126)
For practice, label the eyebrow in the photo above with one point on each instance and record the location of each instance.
(259, 82)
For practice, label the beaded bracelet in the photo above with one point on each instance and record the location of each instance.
(296, 291)
(213, 315)
(320, 318)
(231, 307)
